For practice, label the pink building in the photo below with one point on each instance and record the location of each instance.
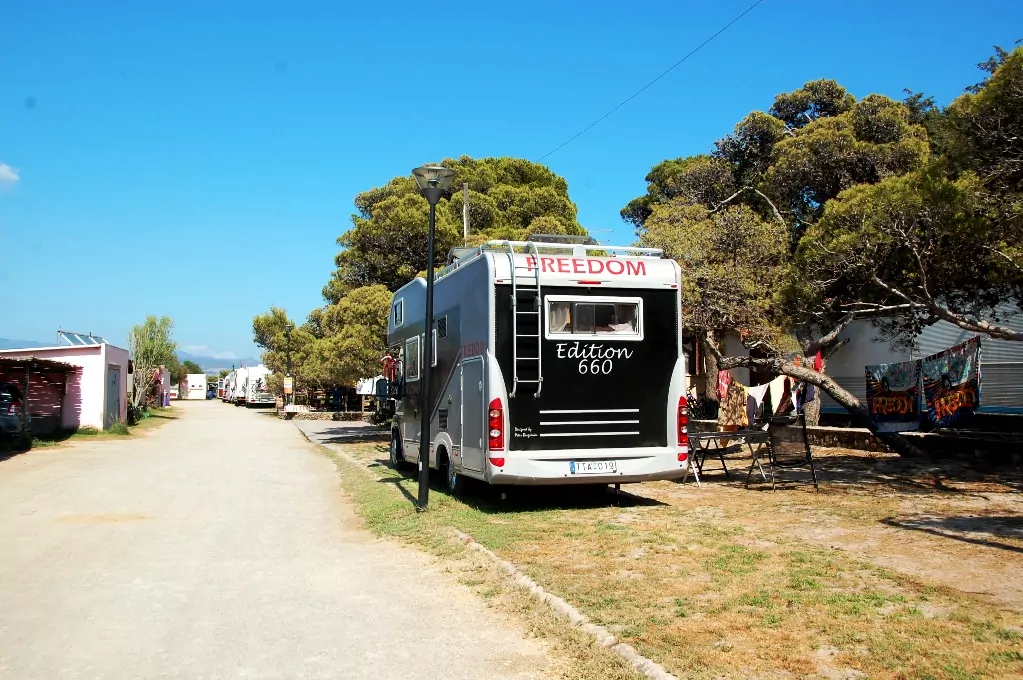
(96, 396)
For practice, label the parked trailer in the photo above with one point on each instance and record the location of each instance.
(194, 386)
(257, 389)
(221, 387)
(229, 381)
(238, 393)
(553, 364)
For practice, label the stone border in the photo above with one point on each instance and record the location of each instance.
(627, 652)
(647, 667)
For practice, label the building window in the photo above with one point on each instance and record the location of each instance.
(412, 359)
(399, 313)
(618, 318)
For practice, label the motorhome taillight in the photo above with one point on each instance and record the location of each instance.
(497, 462)
(683, 422)
(495, 439)
(683, 457)
(14, 409)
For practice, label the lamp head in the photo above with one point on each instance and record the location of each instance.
(433, 177)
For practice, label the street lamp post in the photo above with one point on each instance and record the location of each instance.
(433, 181)
(287, 359)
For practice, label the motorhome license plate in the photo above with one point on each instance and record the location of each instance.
(593, 467)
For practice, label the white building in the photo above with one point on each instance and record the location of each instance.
(1001, 362)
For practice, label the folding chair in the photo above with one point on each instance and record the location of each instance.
(782, 451)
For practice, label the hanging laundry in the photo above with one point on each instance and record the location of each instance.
(893, 396)
(733, 406)
(952, 383)
(755, 400)
(724, 378)
(732, 414)
(785, 402)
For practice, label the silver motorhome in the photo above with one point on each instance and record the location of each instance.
(554, 363)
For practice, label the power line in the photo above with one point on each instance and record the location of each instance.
(640, 90)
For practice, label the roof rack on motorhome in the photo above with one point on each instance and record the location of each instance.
(459, 257)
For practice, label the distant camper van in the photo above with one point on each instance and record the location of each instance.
(554, 363)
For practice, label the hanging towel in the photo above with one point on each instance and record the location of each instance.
(756, 398)
(952, 384)
(724, 379)
(785, 403)
(733, 406)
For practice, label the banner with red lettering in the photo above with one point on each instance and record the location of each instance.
(952, 383)
(893, 396)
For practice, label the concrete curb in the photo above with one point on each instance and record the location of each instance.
(647, 667)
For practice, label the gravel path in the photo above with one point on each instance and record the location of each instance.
(218, 546)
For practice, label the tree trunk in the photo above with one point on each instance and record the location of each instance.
(812, 409)
(710, 365)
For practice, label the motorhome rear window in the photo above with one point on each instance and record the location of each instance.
(412, 358)
(398, 313)
(620, 317)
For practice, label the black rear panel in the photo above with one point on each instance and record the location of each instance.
(631, 383)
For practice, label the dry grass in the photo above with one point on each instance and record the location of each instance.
(157, 417)
(725, 582)
(576, 655)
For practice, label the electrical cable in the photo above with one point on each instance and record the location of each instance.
(640, 90)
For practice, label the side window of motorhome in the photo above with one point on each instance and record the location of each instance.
(571, 317)
(412, 358)
(398, 313)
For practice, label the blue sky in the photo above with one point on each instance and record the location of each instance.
(199, 159)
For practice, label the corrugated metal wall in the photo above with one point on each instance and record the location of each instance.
(1001, 362)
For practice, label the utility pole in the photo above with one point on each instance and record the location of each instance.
(465, 213)
(287, 359)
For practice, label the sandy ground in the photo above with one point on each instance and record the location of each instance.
(949, 521)
(218, 546)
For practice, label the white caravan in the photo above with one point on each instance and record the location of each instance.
(194, 386)
(554, 363)
(257, 388)
(228, 395)
(238, 393)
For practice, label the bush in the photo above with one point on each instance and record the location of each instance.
(118, 428)
(135, 414)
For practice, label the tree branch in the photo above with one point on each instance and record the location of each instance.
(780, 366)
(774, 209)
(956, 319)
(1006, 257)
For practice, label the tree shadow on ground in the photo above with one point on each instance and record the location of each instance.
(979, 530)
(512, 499)
(847, 471)
(351, 434)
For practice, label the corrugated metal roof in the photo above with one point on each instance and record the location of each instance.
(36, 363)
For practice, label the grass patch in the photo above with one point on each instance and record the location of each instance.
(682, 584)
(156, 418)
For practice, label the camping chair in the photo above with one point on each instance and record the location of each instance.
(784, 452)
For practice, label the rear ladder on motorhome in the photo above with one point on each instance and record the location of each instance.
(527, 325)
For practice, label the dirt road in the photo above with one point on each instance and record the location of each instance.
(218, 546)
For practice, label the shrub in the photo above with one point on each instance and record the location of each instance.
(118, 428)
(87, 431)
